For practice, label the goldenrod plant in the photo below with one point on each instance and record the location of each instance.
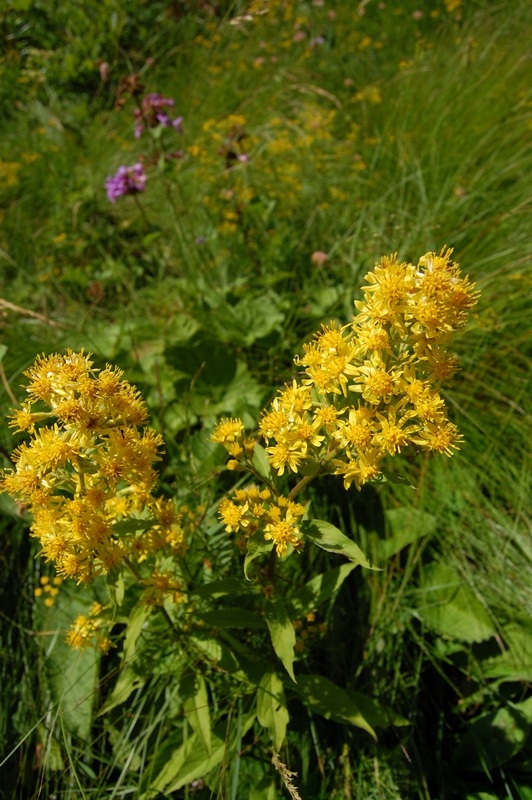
(367, 391)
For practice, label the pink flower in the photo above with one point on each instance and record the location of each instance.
(319, 258)
(126, 180)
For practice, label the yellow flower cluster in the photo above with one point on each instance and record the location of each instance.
(371, 388)
(252, 509)
(49, 589)
(86, 631)
(89, 471)
(161, 586)
(230, 433)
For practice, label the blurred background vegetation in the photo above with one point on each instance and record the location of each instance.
(367, 128)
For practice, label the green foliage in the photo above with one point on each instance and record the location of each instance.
(431, 652)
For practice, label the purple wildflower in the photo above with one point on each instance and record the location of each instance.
(126, 180)
(153, 113)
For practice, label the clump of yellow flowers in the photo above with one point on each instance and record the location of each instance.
(89, 630)
(369, 389)
(87, 472)
(366, 390)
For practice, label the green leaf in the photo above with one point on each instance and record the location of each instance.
(492, 740)
(257, 546)
(116, 588)
(308, 468)
(332, 702)
(515, 664)
(132, 525)
(375, 713)
(264, 790)
(261, 462)
(71, 675)
(333, 540)
(448, 606)
(318, 590)
(282, 633)
(232, 618)
(406, 525)
(184, 764)
(220, 588)
(127, 682)
(271, 708)
(193, 691)
(3, 351)
(136, 621)
(215, 650)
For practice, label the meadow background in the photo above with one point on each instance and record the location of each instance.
(367, 128)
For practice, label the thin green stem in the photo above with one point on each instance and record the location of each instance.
(142, 212)
(308, 478)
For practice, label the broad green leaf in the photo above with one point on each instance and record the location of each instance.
(190, 760)
(271, 708)
(193, 691)
(257, 546)
(333, 540)
(197, 762)
(406, 525)
(448, 606)
(318, 590)
(215, 651)
(127, 682)
(515, 664)
(132, 525)
(52, 748)
(136, 621)
(332, 702)
(282, 633)
(377, 714)
(492, 740)
(264, 790)
(261, 462)
(71, 675)
(232, 618)
(307, 468)
(220, 588)
(3, 351)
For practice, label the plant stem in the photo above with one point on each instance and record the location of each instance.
(142, 212)
(308, 478)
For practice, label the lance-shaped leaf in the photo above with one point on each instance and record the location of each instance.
(332, 702)
(257, 546)
(271, 708)
(193, 691)
(333, 540)
(133, 524)
(318, 590)
(282, 634)
(261, 462)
